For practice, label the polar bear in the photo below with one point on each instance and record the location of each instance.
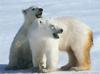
(76, 40)
(44, 42)
(20, 54)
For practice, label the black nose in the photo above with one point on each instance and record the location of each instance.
(61, 30)
(40, 9)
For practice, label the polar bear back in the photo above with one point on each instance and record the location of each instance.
(69, 22)
(74, 34)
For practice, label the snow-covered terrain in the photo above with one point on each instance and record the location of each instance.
(11, 19)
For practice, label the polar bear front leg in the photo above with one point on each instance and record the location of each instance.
(35, 62)
(38, 61)
(70, 61)
(52, 59)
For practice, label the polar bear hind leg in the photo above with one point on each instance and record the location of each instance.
(84, 63)
(19, 60)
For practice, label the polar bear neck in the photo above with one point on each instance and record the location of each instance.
(29, 21)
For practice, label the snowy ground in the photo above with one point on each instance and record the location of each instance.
(11, 19)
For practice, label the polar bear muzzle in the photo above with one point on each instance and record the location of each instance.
(24, 11)
(56, 31)
(39, 13)
(56, 34)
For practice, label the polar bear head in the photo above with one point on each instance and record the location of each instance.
(55, 30)
(32, 13)
(50, 30)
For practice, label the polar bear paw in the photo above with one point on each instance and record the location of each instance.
(39, 70)
(79, 68)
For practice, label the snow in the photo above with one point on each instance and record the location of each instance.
(11, 19)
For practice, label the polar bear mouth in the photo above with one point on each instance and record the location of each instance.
(55, 35)
(39, 15)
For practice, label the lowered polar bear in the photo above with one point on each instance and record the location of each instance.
(76, 40)
(20, 55)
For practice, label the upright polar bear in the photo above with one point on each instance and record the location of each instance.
(44, 42)
(76, 40)
(20, 54)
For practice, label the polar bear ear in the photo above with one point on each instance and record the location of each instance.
(24, 11)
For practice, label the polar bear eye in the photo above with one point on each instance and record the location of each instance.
(52, 27)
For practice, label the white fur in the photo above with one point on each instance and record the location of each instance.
(20, 46)
(74, 35)
(43, 43)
